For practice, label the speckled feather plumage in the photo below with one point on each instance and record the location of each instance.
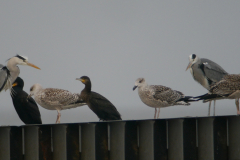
(53, 98)
(158, 95)
(228, 85)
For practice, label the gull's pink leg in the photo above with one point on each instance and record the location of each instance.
(155, 113)
(237, 105)
(209, 108)
(214, 108)
(158, 113)
(58, 117)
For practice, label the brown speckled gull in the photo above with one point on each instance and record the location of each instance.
(55, 99)
(227, 88)
(158, 96)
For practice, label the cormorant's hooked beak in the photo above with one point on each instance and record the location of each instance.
(80, 79)
(32, 65)
(189, 65)
(14, 84)
(134, 87)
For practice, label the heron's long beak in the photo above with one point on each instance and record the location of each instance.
(189, 65)
(134, 87)
(14, 84)
(32, 65)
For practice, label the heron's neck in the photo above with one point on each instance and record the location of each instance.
(12, 66)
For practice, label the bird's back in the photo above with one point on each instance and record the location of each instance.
(102, 107)
(26, 109)
(160, 96)
(50, 98)
(212, 70)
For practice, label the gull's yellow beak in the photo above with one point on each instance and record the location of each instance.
(32, 65)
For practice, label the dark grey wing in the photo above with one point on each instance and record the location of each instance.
(104, 109)
(167, 94)
(212, 70)
(4, 75)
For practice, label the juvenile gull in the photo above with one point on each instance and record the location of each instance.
(205, 72)
(227, 88)
(55, 99)
(26, 108)
(9, 73)
(100, 105)
(158, 96)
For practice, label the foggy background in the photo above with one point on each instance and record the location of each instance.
(114, 43)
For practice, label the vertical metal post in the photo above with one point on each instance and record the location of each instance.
(220, 138)
(88, 141)
(31, 142)
(182, 139)
(146, 140)
(212, 138)
(117, 143)
(205, 138)
(5, 143)
(11, 143)
(94, 139)
(175, 139)
(59, 142)
(234, 137)
(123, 141)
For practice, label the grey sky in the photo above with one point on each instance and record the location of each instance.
(114, 43)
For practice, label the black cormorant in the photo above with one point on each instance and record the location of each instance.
(26, 108)
(100, 105)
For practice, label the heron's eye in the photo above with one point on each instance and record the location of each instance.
(140, 81)
(31, 88)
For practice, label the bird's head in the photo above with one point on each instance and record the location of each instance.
(139, 82)
(34, 89)
(22, 60)
(84, 79)
(192, 59)
(18, 82)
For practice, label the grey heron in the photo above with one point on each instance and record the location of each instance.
(205, 72)
(158, 96)
(55, 99)
(227, 88)
(10, 72)
(26, 108)
(100, 105)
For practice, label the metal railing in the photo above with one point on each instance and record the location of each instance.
(203, 138)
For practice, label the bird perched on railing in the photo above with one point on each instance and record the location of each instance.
(158, 96)
(26, 108)
(55, 99)
(10, 72)
(100, 105)
(227, 88)
(205, 72)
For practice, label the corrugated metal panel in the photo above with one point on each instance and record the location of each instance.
(162, 139)
(234, 137)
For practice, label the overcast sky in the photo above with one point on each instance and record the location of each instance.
(114, 43)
